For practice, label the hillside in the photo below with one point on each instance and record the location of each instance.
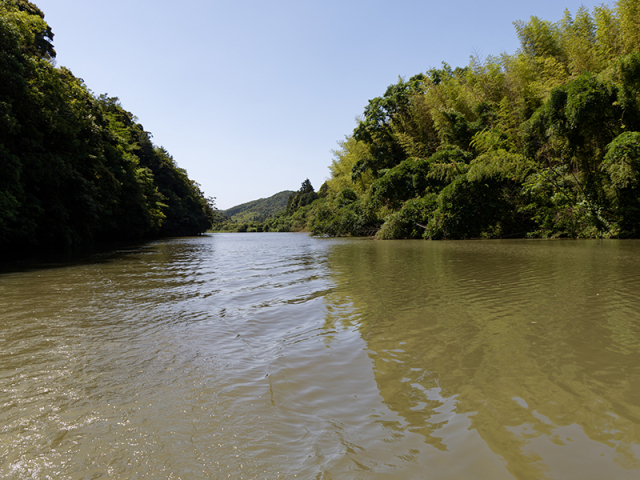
(77, 169)
(259, 210)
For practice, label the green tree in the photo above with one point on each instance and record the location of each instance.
(376, 130)
(71, 165)
(622, 163)
(303, 197)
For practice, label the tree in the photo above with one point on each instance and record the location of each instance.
(76, 169)
(376, 128)
(622, 163)
(303, 197)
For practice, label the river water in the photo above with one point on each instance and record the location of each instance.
(252, 356)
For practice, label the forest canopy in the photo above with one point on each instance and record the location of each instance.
(77, 169)
(541, 143)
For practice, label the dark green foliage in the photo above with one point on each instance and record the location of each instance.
(577, 122)
(75, 169)
(405, 181)
(628, 84)
(346, 197)
(376, 128)
(622, 163)
(410, 221)
(459, 131)
(468, 209)
(324, 190)
(555, 206)
(487, 201)
(417, 177)
(449, 154)
(569, 136)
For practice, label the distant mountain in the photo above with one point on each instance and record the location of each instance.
(259, 210)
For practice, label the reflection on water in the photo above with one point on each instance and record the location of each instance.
(282, 356)
(532, 346)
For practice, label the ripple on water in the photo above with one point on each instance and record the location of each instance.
(274, 355)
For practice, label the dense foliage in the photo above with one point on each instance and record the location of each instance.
(76, 169)
(542, 143)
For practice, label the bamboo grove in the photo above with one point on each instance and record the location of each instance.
(541, 143)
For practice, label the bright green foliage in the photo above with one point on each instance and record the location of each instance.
(350, 153)
(337, 218)
(540, 143)
(277, 223)
(503, 165)
(629, 15)
(578, 40)
(539, 38)
(76, 169)
(609, 42)
(26, 22)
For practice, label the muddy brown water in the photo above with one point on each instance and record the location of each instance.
(252, 356)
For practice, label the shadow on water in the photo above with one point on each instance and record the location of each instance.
(532, 346)
(99, 254)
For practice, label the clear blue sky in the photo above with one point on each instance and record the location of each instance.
(250, 96)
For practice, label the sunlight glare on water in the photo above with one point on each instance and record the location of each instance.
(285, 356)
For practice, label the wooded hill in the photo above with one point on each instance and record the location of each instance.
(76, 169)
(258, 210)
(541, 143)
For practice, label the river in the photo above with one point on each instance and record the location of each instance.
(253, 356)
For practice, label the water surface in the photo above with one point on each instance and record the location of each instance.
(285, 356)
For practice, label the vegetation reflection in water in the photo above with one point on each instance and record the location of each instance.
(533, 346)
(276, 355)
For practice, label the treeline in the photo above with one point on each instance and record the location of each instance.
(277, 222)
(76, 169)
(262, 215)
(283, 212)
(542, 143)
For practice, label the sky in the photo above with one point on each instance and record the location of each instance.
(251, 97)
